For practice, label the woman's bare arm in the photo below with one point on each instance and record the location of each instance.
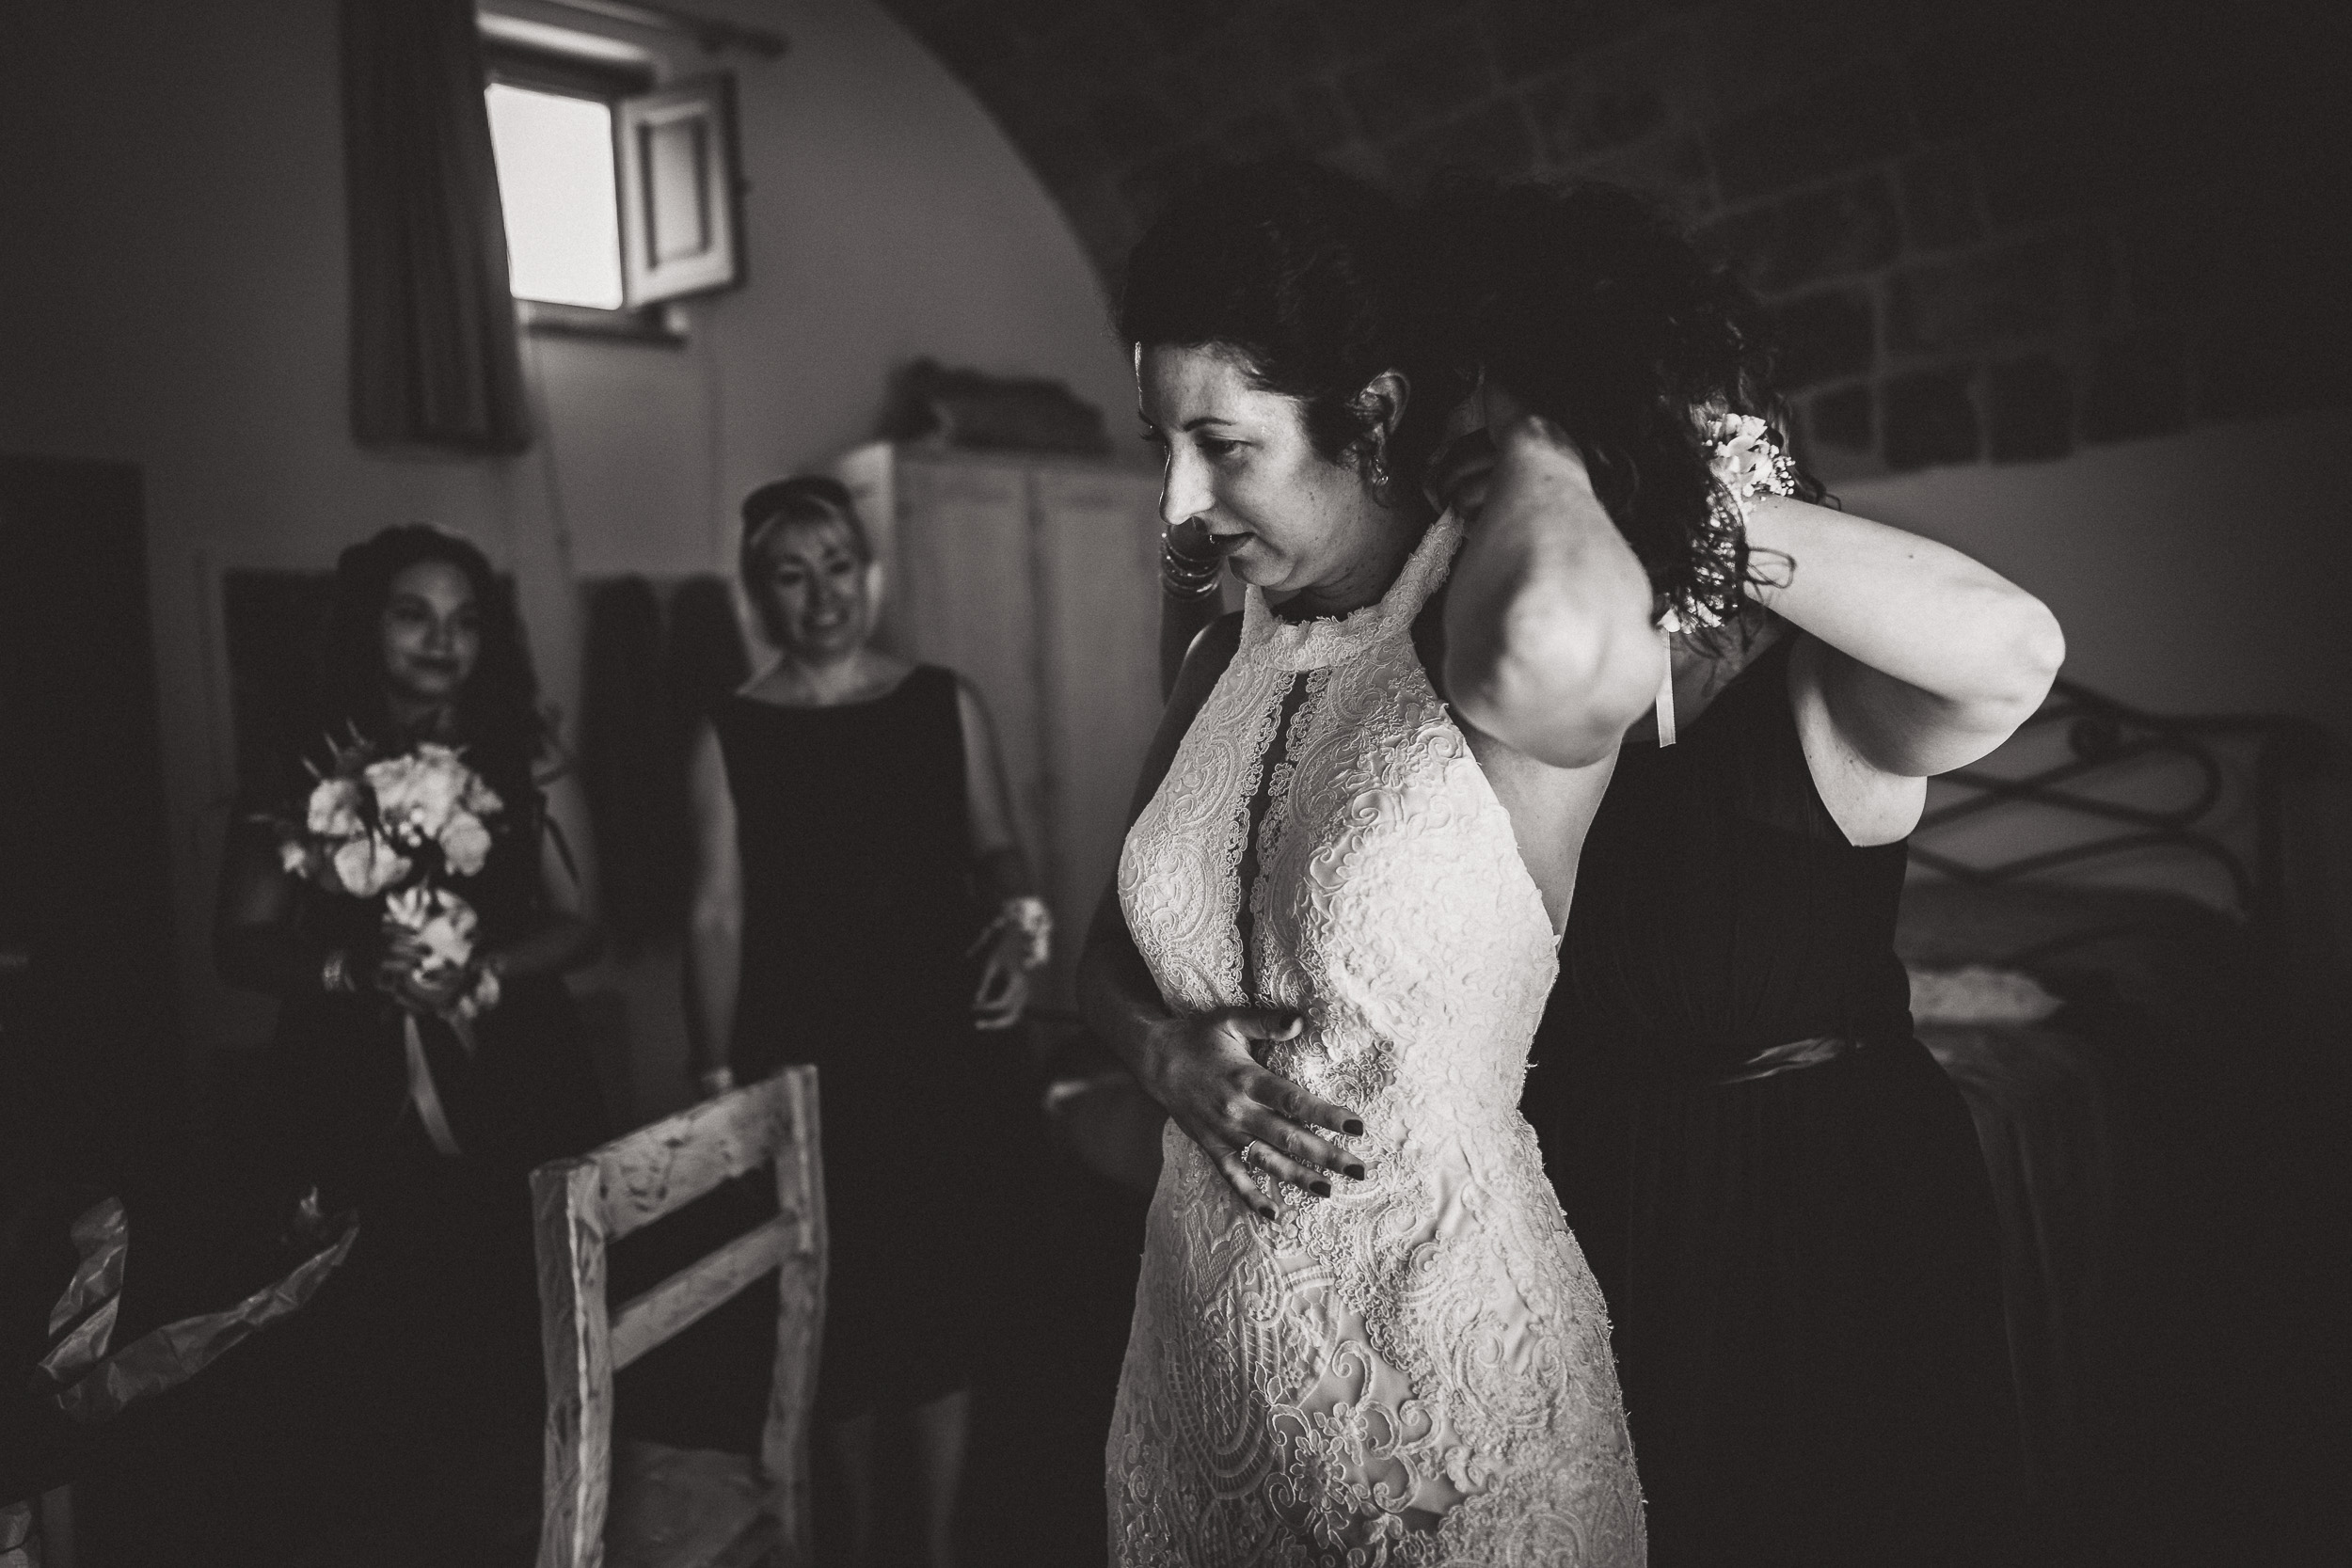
(1927, 659)
(1003, 868)
(1550, 646)
(714, 940)
(999, 866)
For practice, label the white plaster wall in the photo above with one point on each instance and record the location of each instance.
(2203, 573)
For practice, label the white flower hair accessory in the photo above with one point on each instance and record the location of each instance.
(1745, 459)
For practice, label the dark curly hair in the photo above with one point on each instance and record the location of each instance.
(498, 721)
(1591, 306)
(1300, 270)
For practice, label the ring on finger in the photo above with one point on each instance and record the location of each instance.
(1248, 1152)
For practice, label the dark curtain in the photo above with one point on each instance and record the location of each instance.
(434, 354)
(632, 761)
(652, 671)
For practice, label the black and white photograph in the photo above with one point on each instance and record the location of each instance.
(1174, 783)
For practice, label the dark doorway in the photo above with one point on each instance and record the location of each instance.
(88, 1049)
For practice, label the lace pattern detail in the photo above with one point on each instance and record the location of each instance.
(1281, 770)
(1416, 1370)
(1203, 936)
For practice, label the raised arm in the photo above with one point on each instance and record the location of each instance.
(1550, 646)
(1199, 1068)
(1926, 660)
(714, 937)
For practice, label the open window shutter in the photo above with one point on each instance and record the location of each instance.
(677, 155)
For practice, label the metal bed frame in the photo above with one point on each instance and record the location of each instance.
(2101, 733)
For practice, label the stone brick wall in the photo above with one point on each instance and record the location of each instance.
(1991, 232)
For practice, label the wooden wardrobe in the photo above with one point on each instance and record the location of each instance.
(1036, 578)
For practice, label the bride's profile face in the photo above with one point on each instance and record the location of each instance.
(432, 631)
(1238, 458)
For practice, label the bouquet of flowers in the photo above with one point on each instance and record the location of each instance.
(396, 830)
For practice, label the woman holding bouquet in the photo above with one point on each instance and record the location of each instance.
(405, 891)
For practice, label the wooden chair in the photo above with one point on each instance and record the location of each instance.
(583, 1205)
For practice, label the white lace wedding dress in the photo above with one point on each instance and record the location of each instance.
(1416, 1370)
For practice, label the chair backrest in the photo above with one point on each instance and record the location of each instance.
(583, 1205)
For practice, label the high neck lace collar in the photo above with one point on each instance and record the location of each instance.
(1268, 638)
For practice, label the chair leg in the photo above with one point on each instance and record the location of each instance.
(943, 1430)
(52, 1530)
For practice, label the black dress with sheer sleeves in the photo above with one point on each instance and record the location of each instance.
(1779, 1190)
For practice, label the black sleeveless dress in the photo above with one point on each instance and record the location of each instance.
(858, 917)
(1778, 1189)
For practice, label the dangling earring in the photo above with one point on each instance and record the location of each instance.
(1664, 704)
(1379, 474)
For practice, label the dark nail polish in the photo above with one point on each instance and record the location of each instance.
(1351, 1127)
(1266, 1212)
(1321, 1189)
(1354, 1173)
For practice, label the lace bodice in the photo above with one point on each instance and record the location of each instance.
(1416, 1369)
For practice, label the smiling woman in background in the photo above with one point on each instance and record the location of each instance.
(861, 902)
(404, 1409)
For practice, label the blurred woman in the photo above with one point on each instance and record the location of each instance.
(1354, 844)
(415, 1386)
(861, 902)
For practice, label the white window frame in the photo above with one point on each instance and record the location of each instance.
(641, 105)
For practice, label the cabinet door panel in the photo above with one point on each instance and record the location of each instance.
(1097, 584)
(963, 598)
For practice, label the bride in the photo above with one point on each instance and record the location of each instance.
(1354, 840)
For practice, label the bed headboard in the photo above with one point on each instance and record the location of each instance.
(2089, 783)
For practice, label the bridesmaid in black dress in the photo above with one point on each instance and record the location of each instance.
(399, 1414)
(1778, 1189)
(1780, 1192)
(861, 903)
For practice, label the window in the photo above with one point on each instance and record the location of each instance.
(561, 194)
(617, 198)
